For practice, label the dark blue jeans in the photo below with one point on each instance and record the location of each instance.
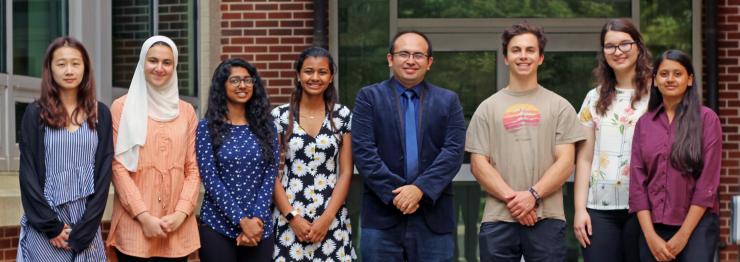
(410, 240)
(701, 245)
(615, 236)
(507, 241)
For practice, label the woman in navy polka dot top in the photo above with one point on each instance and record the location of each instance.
(237, 156)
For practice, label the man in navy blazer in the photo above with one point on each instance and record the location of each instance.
(407, 141)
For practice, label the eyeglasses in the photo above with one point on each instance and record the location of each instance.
(247, 81)
(624, 47)
(418, 56)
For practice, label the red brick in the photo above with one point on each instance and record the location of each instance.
(242, 40)
(240, 23)
(292, 40)
(303, 15)
(280, 48)
(291, 7)
(291, 23)
(267, 40)
(263, 7)
(279, 15)
(255, 15)
(231, 16)
(268, 23)
(280, 65)
(255, 49)
(281, 82)
(230, 32)
(281, 32)
(241, 7)
(255, 32)
(231, 49)
(267, 57)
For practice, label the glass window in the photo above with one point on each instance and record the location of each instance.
(176, 21)
(35, 24)
(666, 24)
(131, 27)
(569, 74)
(363, 44)
(20, 108)
(472, 75)
(508, 9)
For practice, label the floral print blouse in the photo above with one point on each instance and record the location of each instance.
(609, 183)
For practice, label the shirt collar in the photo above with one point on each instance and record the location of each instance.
(658, 111)
(400, 88)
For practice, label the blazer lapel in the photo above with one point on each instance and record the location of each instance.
(392, 99)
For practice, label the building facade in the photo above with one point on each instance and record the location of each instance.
(270, 34)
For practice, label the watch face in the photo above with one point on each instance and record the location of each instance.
(289, 216)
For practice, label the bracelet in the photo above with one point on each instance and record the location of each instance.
(534, 193)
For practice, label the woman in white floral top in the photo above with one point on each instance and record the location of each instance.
(602, 224)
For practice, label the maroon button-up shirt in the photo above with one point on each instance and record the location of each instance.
(656, 185)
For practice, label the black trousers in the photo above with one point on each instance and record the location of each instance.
(701, 245)
(219, 248)
(126, 258)
(615, 236)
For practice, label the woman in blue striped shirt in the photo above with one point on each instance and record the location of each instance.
(66, 152)
(237, 156)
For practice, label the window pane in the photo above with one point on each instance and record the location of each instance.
(130, 30)
(509, 9)
(569, 74)
(35, 24)
(472, 75)
(363, 44)
(20, 108)
(177, 22)
(666, 24)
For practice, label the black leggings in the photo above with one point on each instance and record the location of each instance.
(126, 258)
(219, 248)
(615, 236)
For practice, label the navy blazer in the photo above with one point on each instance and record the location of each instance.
(378, 150)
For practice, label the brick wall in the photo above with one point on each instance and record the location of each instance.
(269, 35)
(728, 22)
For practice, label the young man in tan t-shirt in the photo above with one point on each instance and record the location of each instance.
(521, 141)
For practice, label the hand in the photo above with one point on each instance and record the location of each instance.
(61, 241)
(171, 222)
(519, 203)
(150, 225)
(406, 198)
(243, 240)
(677, 243)
(301, 227)
(530, 219)
(659, 248)
(252, 228)
(582, 227)
(318, 230)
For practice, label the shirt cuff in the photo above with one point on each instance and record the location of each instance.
(185, 207)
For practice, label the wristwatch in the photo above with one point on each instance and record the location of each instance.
(290, 215)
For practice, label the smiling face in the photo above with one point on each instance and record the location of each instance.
(672, 80)
(67, 67)
(523, 55)
(159, 65)
(315, 75)
(620, 51)
(411, 70)
(241, 92)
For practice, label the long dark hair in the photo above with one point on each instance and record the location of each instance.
(605, 76)
(686, 151)
(330, 94)
(257, 109)
(53, 113)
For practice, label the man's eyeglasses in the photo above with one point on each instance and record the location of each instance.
(418, 56)
(624, 47)
(247, 81)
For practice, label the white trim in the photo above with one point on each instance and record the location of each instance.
(696, 43)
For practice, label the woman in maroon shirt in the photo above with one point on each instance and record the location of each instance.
(674, 174)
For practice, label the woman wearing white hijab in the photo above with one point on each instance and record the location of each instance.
(155, 173)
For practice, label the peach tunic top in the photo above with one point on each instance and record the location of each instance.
(166, 180)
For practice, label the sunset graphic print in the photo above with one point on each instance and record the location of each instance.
(520, 115)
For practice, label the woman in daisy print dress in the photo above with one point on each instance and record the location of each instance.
(312, 221)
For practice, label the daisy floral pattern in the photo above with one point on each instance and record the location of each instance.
(309, 179)
(608, 186)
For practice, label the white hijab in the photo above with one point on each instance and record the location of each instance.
(143, 101)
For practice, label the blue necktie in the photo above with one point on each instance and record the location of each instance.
(412, 151)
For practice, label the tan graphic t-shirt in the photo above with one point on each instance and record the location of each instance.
(518, 131)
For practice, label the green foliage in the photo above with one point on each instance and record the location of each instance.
(510, 9)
